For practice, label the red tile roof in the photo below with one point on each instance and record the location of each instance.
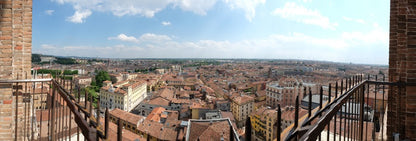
(209, 130)
(240, 100)
(126, 116)
(155, 114)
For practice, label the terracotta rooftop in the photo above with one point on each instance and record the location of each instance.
(159, 101)
(240, 100)
(138, 83)
(155, 115)
(157, 130)
(289, 113)
(126, 134)
(166, 93)
(208, 130)
(126, 116)
(116, 90)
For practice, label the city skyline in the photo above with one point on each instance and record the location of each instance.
(311, 30)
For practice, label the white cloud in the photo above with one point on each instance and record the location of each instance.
(302, 38)
(46, 46)
(124, 37)
(165, 23)
(148, 8)
(249, 6)
(199, 7)
(145, 38)
(374, 36)
(79, 16)
(49, 12)
(367, 46)
(150, 37)
(293, 46)
(298, 13)
(361, 21)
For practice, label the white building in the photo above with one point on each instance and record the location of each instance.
(124, 95)
(283, 92)
(47, 59)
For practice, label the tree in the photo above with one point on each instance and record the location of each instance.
(380, 72)
(92, 94)
(100, 77)
(113, 80)
(36, 58)
(93, 83)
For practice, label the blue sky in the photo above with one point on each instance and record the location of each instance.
(334, 30)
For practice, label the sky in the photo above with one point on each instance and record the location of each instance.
(351, 31)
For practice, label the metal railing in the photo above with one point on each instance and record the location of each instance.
(49, 109)
(356, 110)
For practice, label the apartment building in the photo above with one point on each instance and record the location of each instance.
(263, 123)
(82, 81)
(124, 95)
(241, 107)
(283, 92)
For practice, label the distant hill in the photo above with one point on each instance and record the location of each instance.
(36, 58)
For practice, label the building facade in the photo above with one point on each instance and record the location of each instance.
(241, 107)
(285, 94)
(82, 81)
(124, 95)
(285, 90)
(263, 123)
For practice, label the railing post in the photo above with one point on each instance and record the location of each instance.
(384, 110)
(310, 103)
(279, 122)
(349, 83)
(85, 99)
(335, 118)
(362, 112)
(106, 123)
(119, 130)
(17, 101)
(98, 110)
(329, 101)
(320, 105)
(353, 80)
(52, 111)
(296, 112)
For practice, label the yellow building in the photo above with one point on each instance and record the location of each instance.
(241, 107)
(124, 95)
(263, 124)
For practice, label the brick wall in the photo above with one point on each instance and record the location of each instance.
(15, 58)
(402, 68)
